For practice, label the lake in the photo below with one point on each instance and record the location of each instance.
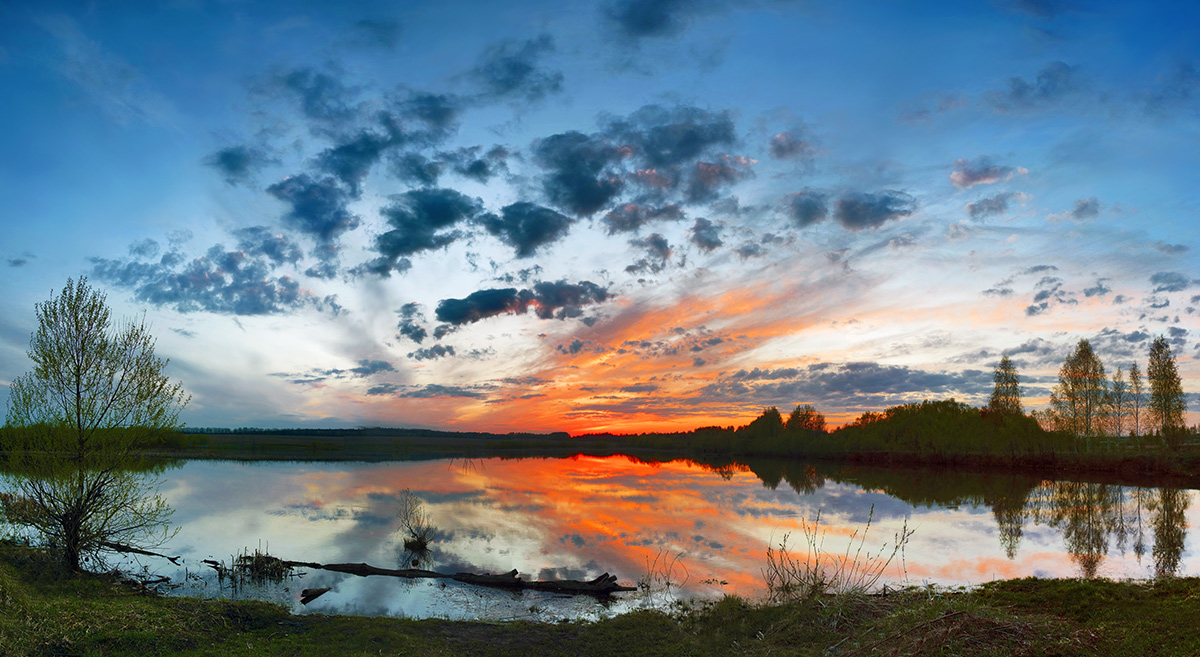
(704, 529)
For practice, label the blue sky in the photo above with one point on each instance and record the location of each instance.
(619, 215)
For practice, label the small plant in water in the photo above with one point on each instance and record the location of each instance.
(663, 573)
(857, 570)
(414, 520)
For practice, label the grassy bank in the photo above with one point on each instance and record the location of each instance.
(44, 612)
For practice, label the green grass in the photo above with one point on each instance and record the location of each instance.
(44, 611)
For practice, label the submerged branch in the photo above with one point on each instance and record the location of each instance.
(603, 585)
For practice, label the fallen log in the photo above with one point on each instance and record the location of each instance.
(602, 586)
(128, 549)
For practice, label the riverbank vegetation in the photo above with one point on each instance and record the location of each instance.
(44, 610)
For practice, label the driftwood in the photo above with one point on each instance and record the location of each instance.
(308, 595)
(127, 549)
(602, 586)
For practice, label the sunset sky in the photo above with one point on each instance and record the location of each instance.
(613, 216)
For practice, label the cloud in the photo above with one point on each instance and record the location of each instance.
(548, 299)
(432, 353)
(320, 96)
(705, 234)
(1171, 281)
(666, 137)
(580, 178)
(1044, 9)
(351, 160)
(259, 240)
(434, 390)
(146, 249)
(526, 227)
(750, 250)
(228, 282)
(1170, 249)
(785, 145)
(374, 33)
(853, 383)
(639, 19)
(1054, 83)
(469, 163)
(409, 327)
(658, 253)
(318, 207)
(980, 171)
(708, 177)
(992, 205)
(1098, 290)
(513, 69)
(367, 367)
(865, 210)
(239, 164)
(420, 220)
(1086, 208)
(629, 217)
(806, 208)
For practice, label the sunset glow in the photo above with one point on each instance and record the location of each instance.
(616, 216)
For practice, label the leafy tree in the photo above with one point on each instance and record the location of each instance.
(1006, 396)
(1078, 400)
(1119, 401)
(76, 423)
(1167, 403)
(1137, 398)
(805, 418)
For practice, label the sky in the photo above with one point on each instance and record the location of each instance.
(617, 216)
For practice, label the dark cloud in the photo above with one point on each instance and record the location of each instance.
(438, 112)
(1171, 281)
(548, 299)
(785, 145)
(259, 240)
(416, 168)
(806, 208)
(1054, 83)
(1085, 208)
(706, 235)
(1171, 249)
(1179, 90)
(146, 248)
(469, 162)
(751, 250)
(239, 164)
(318, 207)
(847, 384)
(515, 69)
(410, 315)
(1038, 269)
(991, 206)
(1044, 9)
(865, 210)
(630, 217)
(19, 261)
(351, 160)
(579, 173)
(526, 227)
(640, 19)
(658, 254)
(575, 346)
(220, 281)
(640, 387)
(320, 96)
(1097, 290)
(998, 292)
(432, 353)
(980, 171)
(367, 367)
(375, 33)
(420, 220)
(667, 137)
(434, 390)
(707, 178)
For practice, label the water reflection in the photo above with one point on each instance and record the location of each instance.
(576, 518)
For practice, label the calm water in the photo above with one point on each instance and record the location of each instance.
(576, 518)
